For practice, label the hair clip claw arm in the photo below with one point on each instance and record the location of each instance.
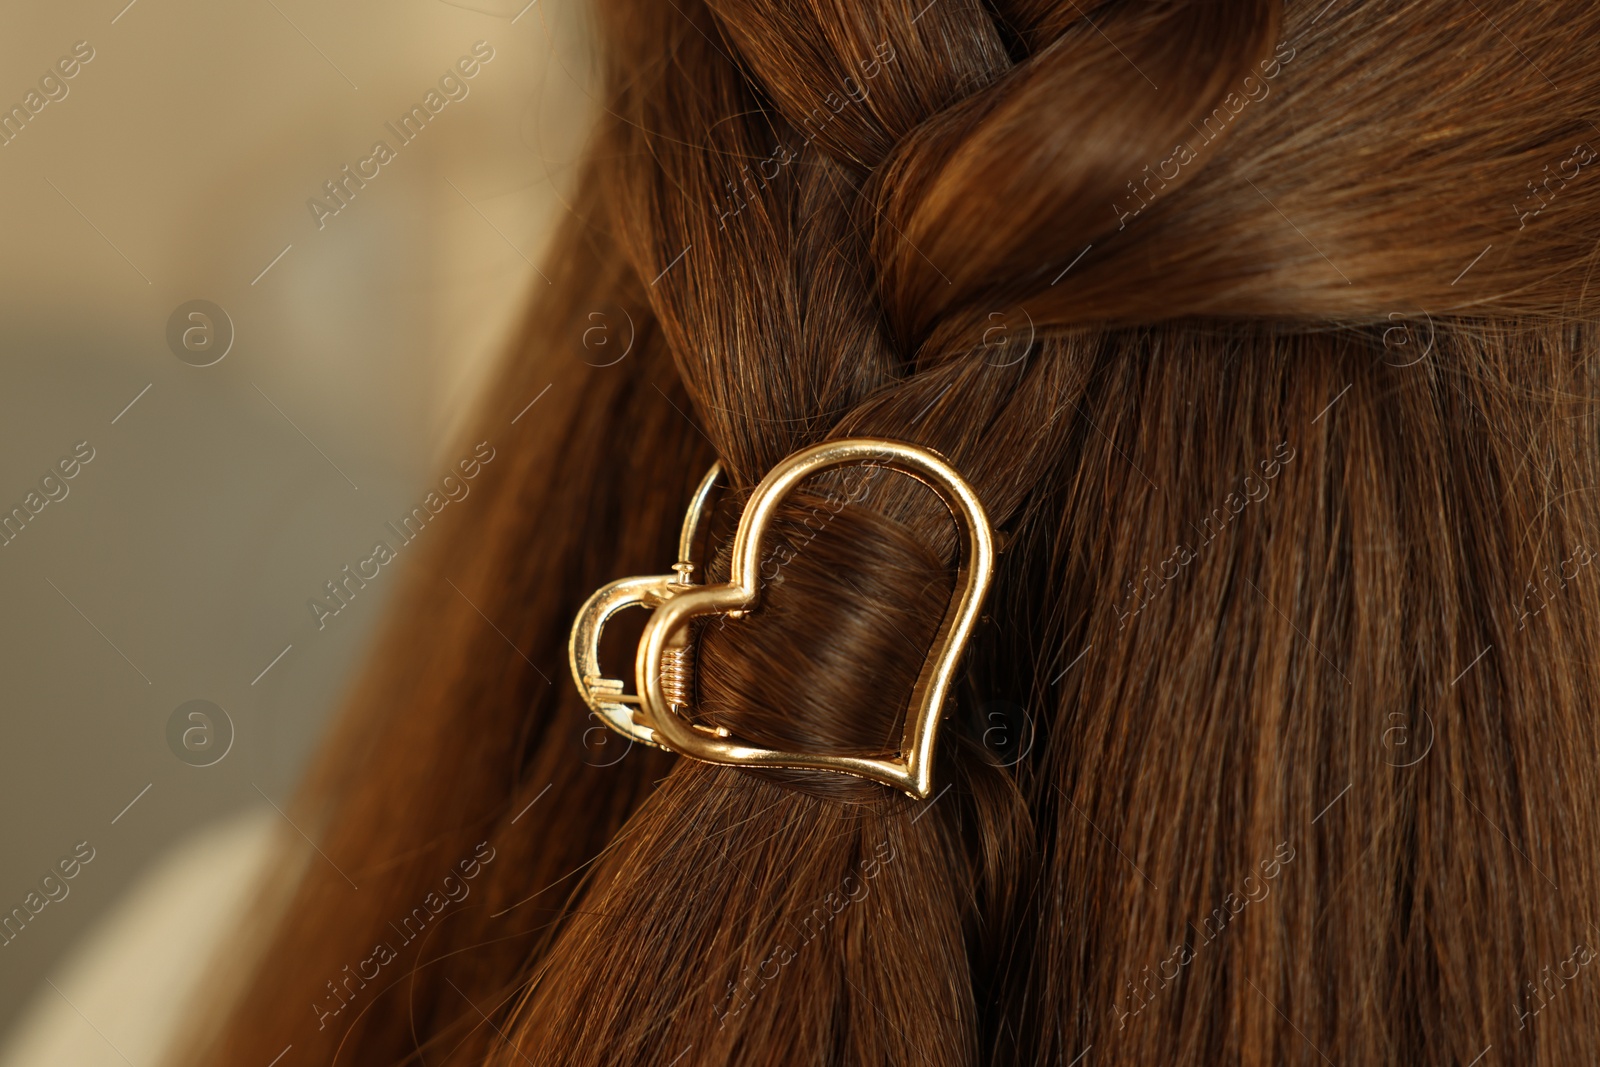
(607, 697)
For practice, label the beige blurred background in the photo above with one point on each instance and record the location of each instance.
(177, 167)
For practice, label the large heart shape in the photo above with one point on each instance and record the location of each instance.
(667, 631)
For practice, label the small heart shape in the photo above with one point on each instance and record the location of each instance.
(605, 696)
(911, 770)
(622, 711)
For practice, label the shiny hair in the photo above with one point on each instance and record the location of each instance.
(1265, 334)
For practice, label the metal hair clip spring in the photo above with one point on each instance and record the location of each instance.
(665, 660)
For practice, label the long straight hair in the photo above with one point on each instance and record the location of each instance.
(1265, 334)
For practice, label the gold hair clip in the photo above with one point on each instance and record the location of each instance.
(665, 660)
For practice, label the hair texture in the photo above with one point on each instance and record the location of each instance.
(1264, 333)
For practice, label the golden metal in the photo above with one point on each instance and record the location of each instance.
(654, 715)
(677, 676)
(623, 711)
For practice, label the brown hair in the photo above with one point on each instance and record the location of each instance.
(1265, 338)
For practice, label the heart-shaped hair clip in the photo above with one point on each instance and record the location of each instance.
(664, 665)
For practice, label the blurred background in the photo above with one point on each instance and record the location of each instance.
(258, 385)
